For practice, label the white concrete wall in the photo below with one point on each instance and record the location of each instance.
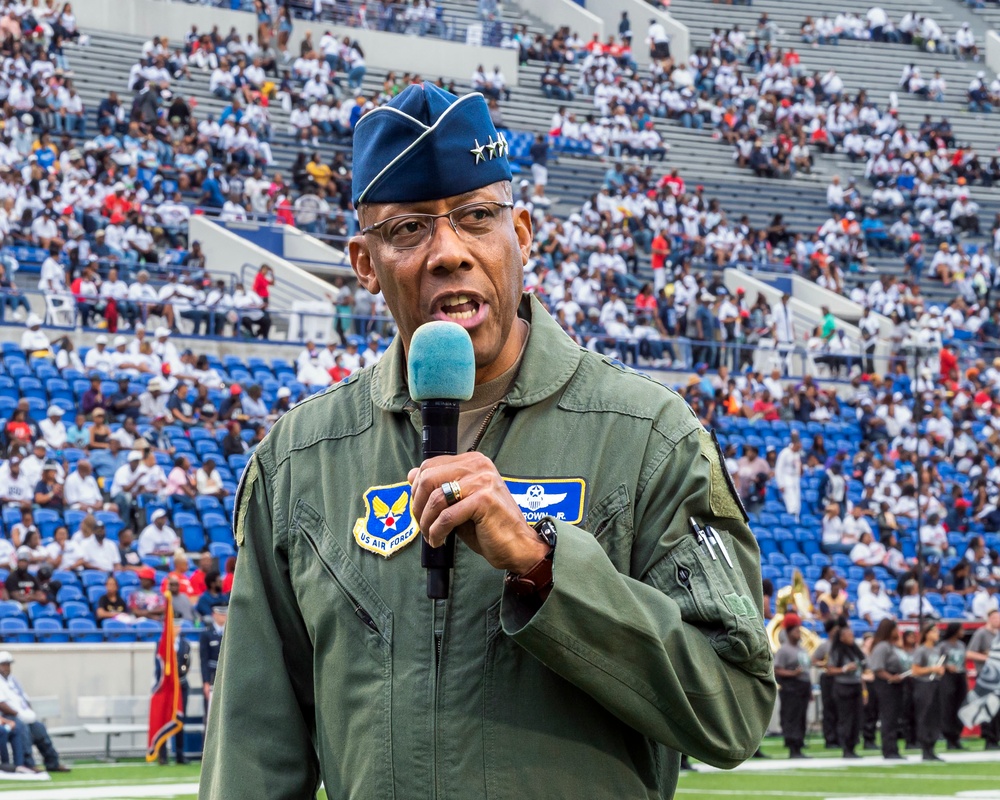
(227, 252)
(428, 56)
(580, 20)
(805, 303)
(70, 671)
(322, 259)
(993, 51)
(640, 13)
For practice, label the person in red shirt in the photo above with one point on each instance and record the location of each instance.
(764, 407)
(263, 281)
(949, 360)
(661, 251)
(206, 564)
(227, 581)
(179, 574)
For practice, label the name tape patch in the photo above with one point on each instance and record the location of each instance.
(559, 498)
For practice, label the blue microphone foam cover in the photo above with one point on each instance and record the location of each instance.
(441, 364)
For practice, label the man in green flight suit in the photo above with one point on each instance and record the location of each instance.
(605, 607)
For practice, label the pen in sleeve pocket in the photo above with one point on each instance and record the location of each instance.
(702, 536)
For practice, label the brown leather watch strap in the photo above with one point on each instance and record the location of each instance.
(536, 582)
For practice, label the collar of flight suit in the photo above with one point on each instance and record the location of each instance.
(550, 359)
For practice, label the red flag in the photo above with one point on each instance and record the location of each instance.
(166, 697)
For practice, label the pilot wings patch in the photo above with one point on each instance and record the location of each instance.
(559, 498)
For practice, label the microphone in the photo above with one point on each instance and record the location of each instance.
(441, 369)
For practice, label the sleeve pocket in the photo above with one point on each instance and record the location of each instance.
(710, 598)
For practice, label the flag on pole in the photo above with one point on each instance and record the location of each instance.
(983, 702)
(164, 721)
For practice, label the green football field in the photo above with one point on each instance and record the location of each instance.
(870, 779)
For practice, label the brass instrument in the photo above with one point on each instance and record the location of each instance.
(796, 596)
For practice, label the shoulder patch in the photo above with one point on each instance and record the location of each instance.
(243, 493)
(388, 524)
(725, 500)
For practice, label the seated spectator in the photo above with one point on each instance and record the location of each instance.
(48, 490)
(34, 343)
(110, 605)
(145, 602)
(16, 490)
(874, 605)
(208, 481)
(99, 552)
(124, 404)
(181, 483)
(178, 576)
(21, 585)
(832, 531)
(183, 606)
(227, 580)
(158, 538)
(233, 443)
(64, 553)
(910, 606)
(15, 702)
(212, 596)
(131, 561)
(933, 536)
(82, 492)
(180, 407)
(832, 604)
(52, 428)
(93, 398)
(33, 541)
(867, 552)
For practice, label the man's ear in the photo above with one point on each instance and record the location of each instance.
(523, 229)
(361, 263)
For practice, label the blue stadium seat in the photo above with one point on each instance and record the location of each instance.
(15, 629)
(10, 609)
(82, 629)
(148, 630)
(72, 609)
(221, 551)
(93, 577)
(50, 629)
(69, 594)
(95, 593)
(126, 579)
(117, 631)
(40, 610)
(193, 537)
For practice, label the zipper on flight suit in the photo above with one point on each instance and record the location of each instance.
(440, 607)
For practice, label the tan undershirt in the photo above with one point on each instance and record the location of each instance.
(485, 397)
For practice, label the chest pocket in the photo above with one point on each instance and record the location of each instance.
(610, 521)
(712, 597)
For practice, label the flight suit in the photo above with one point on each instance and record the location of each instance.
(646, 647)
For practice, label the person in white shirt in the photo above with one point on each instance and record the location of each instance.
(81, 490)
(984, 602)
(874, 605)
(53, 429)
(99, 357)
(33, 341)
(125, 484)
(17, 704)
(98, 551)
(910, 606)
(208, 481)
(16, 491)
(52, 277)
(788, 475)
(867, 552)
(158, 538)
(934, 537)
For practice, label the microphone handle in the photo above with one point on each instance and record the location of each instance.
(440, 438)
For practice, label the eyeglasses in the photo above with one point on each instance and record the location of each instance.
(408, 231)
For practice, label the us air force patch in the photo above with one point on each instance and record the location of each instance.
(387, 525)
(559, 498)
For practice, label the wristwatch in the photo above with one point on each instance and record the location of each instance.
(537, 581)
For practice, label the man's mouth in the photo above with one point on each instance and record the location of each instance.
(465, 309)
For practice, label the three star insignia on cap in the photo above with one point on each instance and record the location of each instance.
(497, 149)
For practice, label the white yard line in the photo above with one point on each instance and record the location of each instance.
(784, 765)
(105, 792)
